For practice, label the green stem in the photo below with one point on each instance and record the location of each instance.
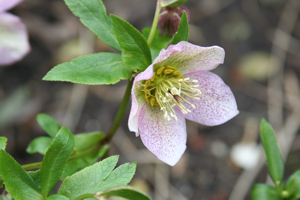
(32, 166)
(120, 113)
(154, 24)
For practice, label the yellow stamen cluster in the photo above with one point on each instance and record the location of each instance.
(167, 88)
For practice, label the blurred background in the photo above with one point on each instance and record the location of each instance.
(261, 39)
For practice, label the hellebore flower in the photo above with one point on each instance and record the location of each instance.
(14, 43)
(178, 85)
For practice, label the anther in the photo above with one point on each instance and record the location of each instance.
(168, 71)
(170, 67)
(176, 72)
(160, 70)
(152, 101)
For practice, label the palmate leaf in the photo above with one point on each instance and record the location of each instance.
(92, 13)
(136, 53)
(96, 178)
(93, 69)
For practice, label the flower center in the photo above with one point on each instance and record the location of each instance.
(168, 88)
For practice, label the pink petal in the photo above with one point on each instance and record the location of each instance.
(138, 99)
(217, 103)
(188, 57)
(166, 139)
(13, 39)
(8, 4)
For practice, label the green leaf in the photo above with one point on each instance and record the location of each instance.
(92, 13)
(50, 125)
(57, 197)
(182, 31)
(136, 53)
(93, 69)
(171, 3)
(126, 192)
(293, 186)
(3, 141)
(86, 140)
(35, 175)
(17, 182)
(159, 41)
(120, 176)
(88, 180)
(178, 3)
(55, 159)
(39, 145)
(264, 192)
(274, 159)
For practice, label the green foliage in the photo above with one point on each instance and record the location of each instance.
(39, 145)
(136, 53)
(92, 13)
(126, 192)
(264, 192)
(93, 69)
(159, 41)
(274, 159)
(293, 186)
(3, 141)
(55, 159)
(172, 3)
(35, 175)
(182, 31)
(50, 125)
(92, 179)
(57, 197)
(17, 182)
(86, 140)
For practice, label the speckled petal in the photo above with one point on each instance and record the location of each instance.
(188, 57)
(14, 43)
(166, 139)
(217, 103)
(8, 4)
(138, 100)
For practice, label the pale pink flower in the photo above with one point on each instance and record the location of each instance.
(14, 43)
(178, 85)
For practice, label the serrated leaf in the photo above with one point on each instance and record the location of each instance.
(55, 159)
(171, 3)
(50, 125)
(92, 13)
(120, 176)
(35, 175)
(3, 141)
(17, 182)
(183, 31)
(293, 185)
(264, 192)
(86, 140)
(159, 41)
(136, 53)
(127, 192)
(88, 180)
(274, 159)
(93, 69)
(57, 197)
(39, 145)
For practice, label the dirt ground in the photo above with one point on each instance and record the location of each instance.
(261, 39)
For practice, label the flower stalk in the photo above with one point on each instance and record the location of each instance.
(154, 24)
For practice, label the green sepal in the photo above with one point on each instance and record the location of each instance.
(92, 13)
(136, 52)
(93, 69)
(183, 30)
(273, 154)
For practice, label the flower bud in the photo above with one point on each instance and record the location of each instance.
(169, 18)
